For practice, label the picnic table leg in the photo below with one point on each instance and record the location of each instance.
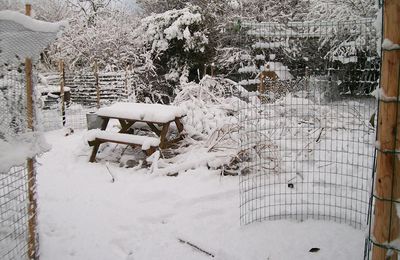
(94, 152)
(125, 125)
(179, 125)
(104, 123)
(96, 146)
(150, 151)
(163, 135)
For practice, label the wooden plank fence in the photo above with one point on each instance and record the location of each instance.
(113, 86)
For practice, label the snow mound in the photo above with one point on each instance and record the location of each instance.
(15, 151)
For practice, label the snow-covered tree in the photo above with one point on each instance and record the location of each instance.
(109, 42)
(176, 41)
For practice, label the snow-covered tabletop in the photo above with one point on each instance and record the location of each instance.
(156, 113)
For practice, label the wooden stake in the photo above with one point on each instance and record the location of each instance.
(62, 92)
(261, 88)
(28, 9)
(32, 207)
(96, 75)
(386, 226)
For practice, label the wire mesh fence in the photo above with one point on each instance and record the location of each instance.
(22, 39)
(85, 91)
(14, 174)
(307, 128)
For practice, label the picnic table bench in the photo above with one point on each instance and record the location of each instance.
(156, 116)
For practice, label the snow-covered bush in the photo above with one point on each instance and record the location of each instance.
(176, 41)
(211, 126)
(12, 104)
(109, 42)
(210, 104)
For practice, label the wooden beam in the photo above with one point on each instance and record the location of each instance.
(62, 91)
(96, 75)
(28, 9)
(32, 207)
(386, 226)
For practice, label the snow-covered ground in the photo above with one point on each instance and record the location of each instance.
(84, 215)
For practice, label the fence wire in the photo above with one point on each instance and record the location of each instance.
(307, 129)
(14, 202)
(84, 92)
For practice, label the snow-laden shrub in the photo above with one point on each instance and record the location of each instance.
(176, 41)
(12, 102)
(210, 105)
(211, 126)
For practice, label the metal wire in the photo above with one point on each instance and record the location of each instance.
(82, 94)
(13, 183)
(307, 130)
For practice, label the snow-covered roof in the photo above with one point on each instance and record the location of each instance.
(22, 36)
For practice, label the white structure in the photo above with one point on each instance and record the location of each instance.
(24, 37)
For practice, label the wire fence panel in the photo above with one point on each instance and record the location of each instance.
(84, 92)
(307, 128)
(14, 202)
(14, 213)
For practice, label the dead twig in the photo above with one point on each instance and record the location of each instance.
(195, 247)
(319, 136)
(109, 171)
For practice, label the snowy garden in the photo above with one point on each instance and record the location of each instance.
(189, 129)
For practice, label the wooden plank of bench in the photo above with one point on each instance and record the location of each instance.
(104, 137)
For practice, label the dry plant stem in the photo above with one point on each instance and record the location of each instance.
(195, 247)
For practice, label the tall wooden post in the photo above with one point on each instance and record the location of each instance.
(28, 9)
(386, 226)
(96, 76)
(62, 91)
(32, 207)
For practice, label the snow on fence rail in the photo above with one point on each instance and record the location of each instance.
(84, 91)
(83, 87)
(307, 130)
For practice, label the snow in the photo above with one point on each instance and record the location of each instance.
(145, 141)
(248, 69)
(23, 37)
(32, 24)
(389, 45)
(14, 152)
(345, 60)
(269, 45)
(83, 215)
(142, 112)
(281, 70)
(249, 82)
(380, 94)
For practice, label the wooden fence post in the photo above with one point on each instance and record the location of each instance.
(96, 75)
(127, 75)
(386, 226)
(32, 207)
(62, 91)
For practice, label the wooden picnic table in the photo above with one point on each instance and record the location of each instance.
(156, 116)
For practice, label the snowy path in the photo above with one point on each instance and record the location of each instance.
(83, 215)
